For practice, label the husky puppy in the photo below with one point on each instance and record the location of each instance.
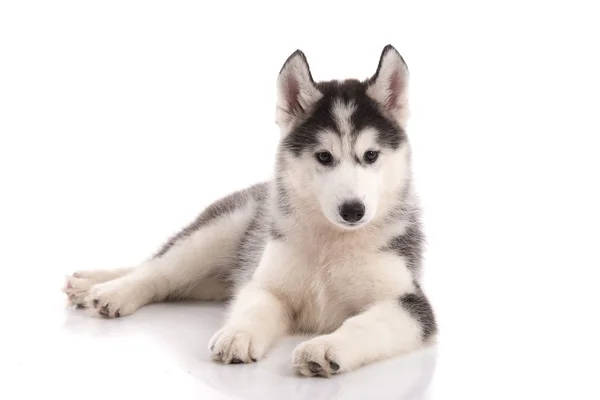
(330, 247)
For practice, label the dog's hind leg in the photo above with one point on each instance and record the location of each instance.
(191, 265)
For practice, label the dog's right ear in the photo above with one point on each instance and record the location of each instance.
(389, 85)
(296, 90)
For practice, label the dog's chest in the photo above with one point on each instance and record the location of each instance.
(326, 286)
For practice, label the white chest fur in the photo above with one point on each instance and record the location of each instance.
(325, 281)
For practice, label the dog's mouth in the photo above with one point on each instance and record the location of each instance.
(350, 226)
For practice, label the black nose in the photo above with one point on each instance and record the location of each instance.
(352, 211)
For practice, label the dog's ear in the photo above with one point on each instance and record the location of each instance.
(389, 85)
(296, 90)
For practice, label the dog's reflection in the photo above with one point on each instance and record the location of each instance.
(401, 378)
(184, 329)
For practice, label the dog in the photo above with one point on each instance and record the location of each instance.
(330, 247)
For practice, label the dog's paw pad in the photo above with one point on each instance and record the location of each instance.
(314, 367)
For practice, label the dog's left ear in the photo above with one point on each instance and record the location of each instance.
(389, 85)
(296, 90)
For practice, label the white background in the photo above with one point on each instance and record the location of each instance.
(120, 120)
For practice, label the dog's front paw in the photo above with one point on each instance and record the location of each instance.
(235, 346)
(318, 357)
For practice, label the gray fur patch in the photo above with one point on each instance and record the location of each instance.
(282, 197)
(275, 232)
(409, 245)
(420, 309)
(251, 247)
(218, 209)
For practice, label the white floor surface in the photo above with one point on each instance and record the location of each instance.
(160, 352)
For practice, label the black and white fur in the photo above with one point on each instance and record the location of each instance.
(331, 246)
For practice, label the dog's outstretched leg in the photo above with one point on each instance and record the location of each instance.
(191, 265)
(386, 329)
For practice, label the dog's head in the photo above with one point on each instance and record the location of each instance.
(343, 149)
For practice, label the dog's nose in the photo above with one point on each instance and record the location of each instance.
(352, 211)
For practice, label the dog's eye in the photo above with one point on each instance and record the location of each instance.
(324, 157)
(371, 156)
